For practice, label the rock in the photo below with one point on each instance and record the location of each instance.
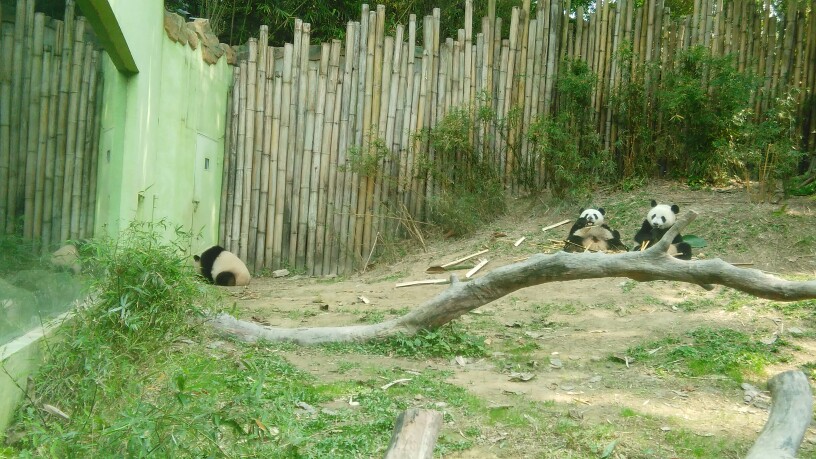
(280, 273)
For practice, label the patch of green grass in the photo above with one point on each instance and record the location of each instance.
(628, 412)
(696, 304)
(705, 351)
(804, 310)
(628, 286)
(447, 341)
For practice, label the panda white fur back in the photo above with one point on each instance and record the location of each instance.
(222, 267)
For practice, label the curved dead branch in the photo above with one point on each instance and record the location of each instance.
(461, 297)
(789, 419)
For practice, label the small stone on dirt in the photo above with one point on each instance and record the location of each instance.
(523, 377)
(556, 363)
(280, 273)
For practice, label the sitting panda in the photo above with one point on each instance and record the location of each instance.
(658, 220)
(591, 233)
(66, 258)
(221, 267)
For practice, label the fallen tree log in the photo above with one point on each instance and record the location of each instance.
(791, 412)
(461, 297)
(415, 434)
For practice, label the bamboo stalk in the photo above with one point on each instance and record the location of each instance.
(96, 92)
(320, 167)
(266, 212)
(249, 194)
(331, 132)
(71, 29)
(269, 160)
(280, 247)
(32, 98)
(295, 158)
(310, 172)
(257, 217)
(71, 134)
(552, 62)
(25, 108)
(233, 223)
(283, 93)
(76, 188)
(362, 227)
(6, 50)
(277, 174)
(42, 145)
(89, 154)
(302, 156)
(343, 193)
(225, 214)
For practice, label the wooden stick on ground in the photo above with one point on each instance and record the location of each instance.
(555, 225)
(456, 262)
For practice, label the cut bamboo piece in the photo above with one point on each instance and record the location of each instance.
(468, 257)
(556, 225)
(476, 268)
(519, 241)
(422, 282)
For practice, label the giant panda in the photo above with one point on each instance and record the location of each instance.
(658, 220)
(591, 233)
(221, 267)
(67, 257)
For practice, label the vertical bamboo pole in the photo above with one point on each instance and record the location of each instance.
(79, 148)
(391, 163)
(224, 219)
(88, 181)
(552, 63)
(25, 108)
(280, 242)
(71, 134)
(320, 167)
(509, 159)
(744, 21)
(14, 113)
(329, 205)
(468, 77)
(421, 120)
(257, 238)
(277, 171)
(269, 164)
(502, 103)
(580, 51)
(620, 9)
(601, 85)
(249, 206)
(232, 225)
(400, 145)
(303, 158)
(71, 28)
(343, 194)
(356, 113)
(238, 227)
(362, 228)
(33, 98)
(385, 45)
(311, 158)
(6, 51)
(42, 145)
(295, 155)
(412, 109)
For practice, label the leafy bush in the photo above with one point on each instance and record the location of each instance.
(143, 297)
(699, 100)
(469, 187)
(568, 145)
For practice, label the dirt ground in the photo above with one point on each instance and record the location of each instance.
(581, 323)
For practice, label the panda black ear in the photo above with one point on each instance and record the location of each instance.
(601, 210)
(196, 258)
(654, 203)
(580, 211)
(675, 208)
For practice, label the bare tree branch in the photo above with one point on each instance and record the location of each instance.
(461, 297)
(790, 417)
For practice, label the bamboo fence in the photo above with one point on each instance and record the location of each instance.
(303, 115)
(49, 125)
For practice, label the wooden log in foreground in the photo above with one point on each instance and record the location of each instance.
(790, 416)
(414, 434)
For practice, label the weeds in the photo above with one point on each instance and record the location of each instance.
(449, 340)
(706, 351)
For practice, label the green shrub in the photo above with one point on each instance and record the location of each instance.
(568, 145)
(469, 189)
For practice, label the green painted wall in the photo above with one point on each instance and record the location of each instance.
(161, 151)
